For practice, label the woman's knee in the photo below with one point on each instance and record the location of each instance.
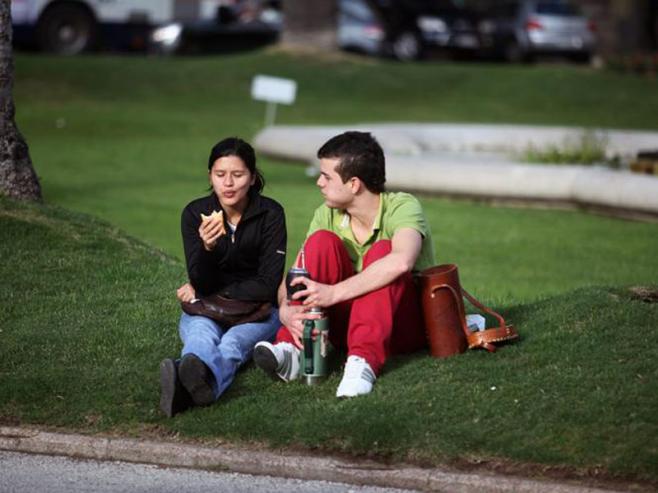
(196, 324)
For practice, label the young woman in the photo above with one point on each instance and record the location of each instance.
(235, 243)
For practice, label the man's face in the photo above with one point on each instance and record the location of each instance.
(337, 195)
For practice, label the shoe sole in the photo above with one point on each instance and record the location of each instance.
(192, 372)
(266, 361)
(167, 386)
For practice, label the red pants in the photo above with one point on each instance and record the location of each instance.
(380, 323)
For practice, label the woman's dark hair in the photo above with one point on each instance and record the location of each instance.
(360, 155)
(234, 146)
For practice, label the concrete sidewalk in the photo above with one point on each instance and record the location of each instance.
(483, 161)
(277, 463)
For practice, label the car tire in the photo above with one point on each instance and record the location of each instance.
(67, 29)
(407, 47)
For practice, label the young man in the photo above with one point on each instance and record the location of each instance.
(362, 248)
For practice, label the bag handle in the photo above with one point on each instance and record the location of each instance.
(456, 297)
(485, 338)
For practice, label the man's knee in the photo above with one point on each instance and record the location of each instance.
(322, 239)
(377, 251)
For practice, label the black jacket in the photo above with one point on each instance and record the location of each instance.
(247, 265)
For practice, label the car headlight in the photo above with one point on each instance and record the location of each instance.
(432, 24)
(167, 35)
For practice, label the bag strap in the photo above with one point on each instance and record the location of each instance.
(456, 297)
(487, 338)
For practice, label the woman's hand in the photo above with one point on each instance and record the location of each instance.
(211, 230)
(186, 293)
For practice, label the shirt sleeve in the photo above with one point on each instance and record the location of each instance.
(405, 212)
(202, 266)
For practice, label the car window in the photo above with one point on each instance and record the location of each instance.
(557, 8)
(357, 9)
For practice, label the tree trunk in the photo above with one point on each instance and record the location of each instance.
(17, 176)
(310, 23)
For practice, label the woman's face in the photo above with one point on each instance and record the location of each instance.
(231, 179)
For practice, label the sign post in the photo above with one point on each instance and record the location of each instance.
(273, 90)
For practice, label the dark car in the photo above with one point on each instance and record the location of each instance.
(237, 26)
(406, 29)
(521, 30)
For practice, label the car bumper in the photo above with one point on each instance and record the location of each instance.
(572, 43)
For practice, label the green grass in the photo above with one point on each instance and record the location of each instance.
(88, 312)
(134, 133)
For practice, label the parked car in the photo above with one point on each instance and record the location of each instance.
(70, 27)
(237, 26)
(406, 29)
(520, 30)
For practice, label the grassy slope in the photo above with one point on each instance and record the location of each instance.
(88, 312)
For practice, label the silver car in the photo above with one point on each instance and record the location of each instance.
(523, 29)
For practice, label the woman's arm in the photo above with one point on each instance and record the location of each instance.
(201, 264)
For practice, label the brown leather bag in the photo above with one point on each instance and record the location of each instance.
(228, 312)
(445, 318)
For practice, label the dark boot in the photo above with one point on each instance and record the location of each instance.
(173, 396)
(197, 379)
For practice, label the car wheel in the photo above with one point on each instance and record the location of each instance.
(407, 47)
(67, 29)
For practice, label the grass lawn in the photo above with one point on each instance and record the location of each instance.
(88, 312)
(127, 138)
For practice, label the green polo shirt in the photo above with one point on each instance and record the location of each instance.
(396, 210)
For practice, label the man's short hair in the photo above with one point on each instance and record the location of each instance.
(359, 155)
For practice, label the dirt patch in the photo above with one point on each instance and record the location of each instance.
(642, 293)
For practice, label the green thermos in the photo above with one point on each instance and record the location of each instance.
(315, 356)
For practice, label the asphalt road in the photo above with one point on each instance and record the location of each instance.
(26, 473)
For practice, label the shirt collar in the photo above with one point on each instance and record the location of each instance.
(345, 220)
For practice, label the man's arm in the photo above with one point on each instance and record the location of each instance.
(405, 248)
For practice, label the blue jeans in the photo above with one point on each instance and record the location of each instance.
(224, 351)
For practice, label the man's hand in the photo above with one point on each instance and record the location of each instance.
(316, 294)
(211, 229)
(186, 293)
(292, 317)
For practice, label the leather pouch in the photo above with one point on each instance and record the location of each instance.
(228, 312)
(445, 318)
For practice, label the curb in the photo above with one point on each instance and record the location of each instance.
(281, 464)
(476, 161)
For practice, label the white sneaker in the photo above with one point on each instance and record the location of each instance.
(357, 379)
(279, 361)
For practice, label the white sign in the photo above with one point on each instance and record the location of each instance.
(273, 89)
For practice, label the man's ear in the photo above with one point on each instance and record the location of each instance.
(356, 185)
